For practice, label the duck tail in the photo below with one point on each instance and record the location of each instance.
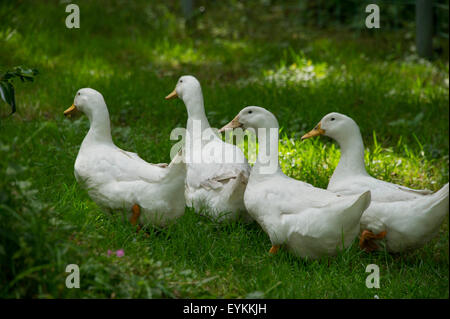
(431, 212)
(362, 202)
(439, 204)
(177, 167)
(353, 212)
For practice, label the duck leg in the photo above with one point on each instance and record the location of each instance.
(274, 249)
(136, 213)
(367, 240)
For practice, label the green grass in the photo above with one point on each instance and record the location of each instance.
(133, 54)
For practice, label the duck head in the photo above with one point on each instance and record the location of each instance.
(335, 125)
(265, 125)
(187, 87)
(189, 90)
(254, 117)
(88, 101)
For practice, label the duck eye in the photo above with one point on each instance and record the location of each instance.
(332, 119)
(78, 93)
(181, 81)
(250, 112)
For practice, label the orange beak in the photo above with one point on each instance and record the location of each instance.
(232, 125)
(172, 95)
(314, 132)
(71, 110)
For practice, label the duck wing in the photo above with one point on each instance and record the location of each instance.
(292, 196)
(138, 158)
(221, 163)
(312, 211)
(381, 191)
(104, 164)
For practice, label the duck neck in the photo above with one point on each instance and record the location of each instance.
(100, 128)
(267, 160)
(351, 162)
(196, 112)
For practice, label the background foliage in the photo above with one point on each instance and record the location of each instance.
(267, 53)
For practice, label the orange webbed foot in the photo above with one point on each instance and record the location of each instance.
(136, 213)
(274, 249)
(367, 240)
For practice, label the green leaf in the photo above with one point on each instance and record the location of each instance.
(7, 95)
(25, 74)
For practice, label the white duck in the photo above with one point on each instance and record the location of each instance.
(117, 179)
(405, 217)
(217, 172)
(312, 222)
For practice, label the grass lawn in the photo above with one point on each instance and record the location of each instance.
(133, 53)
